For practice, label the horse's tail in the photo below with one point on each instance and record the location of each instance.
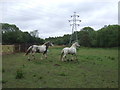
(28, 50)
(62, 52)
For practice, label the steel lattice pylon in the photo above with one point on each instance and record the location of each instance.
(74, 25)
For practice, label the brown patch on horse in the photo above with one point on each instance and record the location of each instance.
(28, 51)
(47, 45)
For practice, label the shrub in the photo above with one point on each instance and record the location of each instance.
(19, 74)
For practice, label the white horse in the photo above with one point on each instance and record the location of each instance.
(38, 49)
(71, 50)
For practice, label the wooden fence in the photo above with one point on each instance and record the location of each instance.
(8, 49)
(21, 48)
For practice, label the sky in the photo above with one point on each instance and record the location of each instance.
(50, 17)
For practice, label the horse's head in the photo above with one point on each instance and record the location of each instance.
(76, 44)
(49, 43)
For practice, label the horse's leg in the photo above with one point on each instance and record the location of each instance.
(33, 54)
(45, 55)
(64, 56)
(76, 58)
(72, 58)
(29, 56)
(42, 56)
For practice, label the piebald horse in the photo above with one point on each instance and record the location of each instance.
(72, 50)
(38, 49)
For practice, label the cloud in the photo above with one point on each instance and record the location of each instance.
(50, 17)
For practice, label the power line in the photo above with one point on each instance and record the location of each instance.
(75, 22)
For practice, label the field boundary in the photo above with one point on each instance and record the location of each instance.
(10, 49)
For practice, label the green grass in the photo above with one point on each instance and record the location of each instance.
(97, 68)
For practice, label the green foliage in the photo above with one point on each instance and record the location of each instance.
(19, 74)
(108, 36)
(59, 40)
(12, 35)
(87, 36)
(9, 28)
(88, 29)
(85, 39)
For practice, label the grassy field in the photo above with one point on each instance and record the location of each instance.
(97, 68)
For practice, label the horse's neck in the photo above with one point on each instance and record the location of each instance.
(73, 46)
(46, 46)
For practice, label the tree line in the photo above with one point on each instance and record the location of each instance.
(11, 34)
(107, 36)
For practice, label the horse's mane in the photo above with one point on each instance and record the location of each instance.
(46, 42)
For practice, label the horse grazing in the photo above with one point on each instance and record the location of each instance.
(38, 49)
(71, 50)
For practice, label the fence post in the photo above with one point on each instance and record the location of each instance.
(19, 47)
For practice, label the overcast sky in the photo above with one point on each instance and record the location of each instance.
(51, 17)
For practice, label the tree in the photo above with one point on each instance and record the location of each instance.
(12, 35)
(88, 29)
(87, 37)
(34, 33)
(108, 36)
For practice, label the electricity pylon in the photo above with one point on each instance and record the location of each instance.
(74, 23)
